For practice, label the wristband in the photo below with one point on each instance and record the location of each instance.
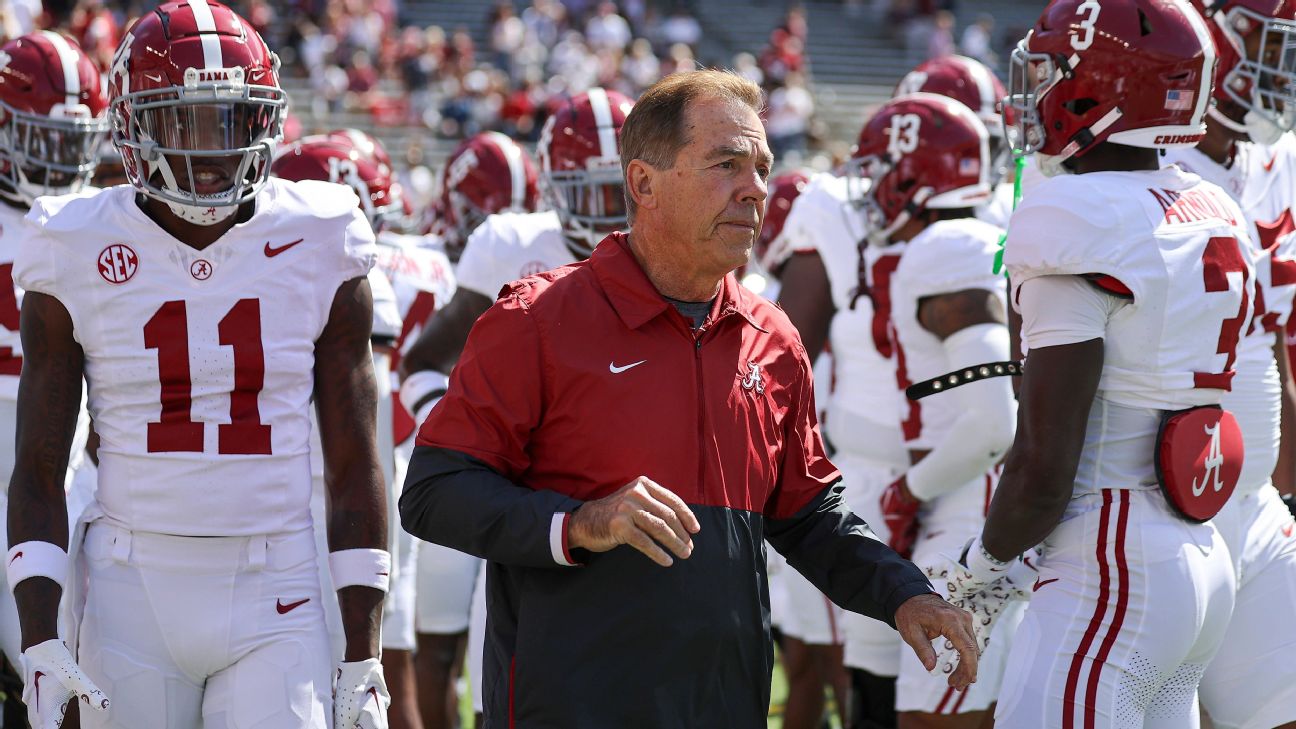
(421, 390)
(981, 563)
(360, 568)
(36, 559)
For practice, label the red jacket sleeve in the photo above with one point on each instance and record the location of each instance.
(495, 397)
(805, 471)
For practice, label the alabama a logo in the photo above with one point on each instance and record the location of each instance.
(754, 380)
(1214, 461)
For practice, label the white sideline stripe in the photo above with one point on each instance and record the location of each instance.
(206, 22)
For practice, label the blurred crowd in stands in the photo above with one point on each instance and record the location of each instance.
(372, 56)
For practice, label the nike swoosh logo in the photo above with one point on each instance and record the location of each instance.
(373, 691)
(282, 608)
(36, 677)
(1040, 583)
(1268, 166)
(272, 252)
(1287, 531)
(612, 366)
(15, 557)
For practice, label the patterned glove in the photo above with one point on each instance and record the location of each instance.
(979, 584)
(360, 697)
(900, 512)
(51, 678)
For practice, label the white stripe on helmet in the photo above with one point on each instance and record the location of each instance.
(603, 120)
(206, 22)
(985, 86)
(517, 172)
(68, 59)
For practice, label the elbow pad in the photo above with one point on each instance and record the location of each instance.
(987, 417)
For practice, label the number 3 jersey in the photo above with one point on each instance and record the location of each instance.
(200, 364)
(1173, 249)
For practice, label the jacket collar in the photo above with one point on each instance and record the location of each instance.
(637, 301)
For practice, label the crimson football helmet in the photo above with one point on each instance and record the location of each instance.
(334, 157)
(196, 108)
(487, 174)
(52, 120)
(1255, 79)
(580, 166)
(968, 81)
(1136, 73)
(920, 152)
(772, 249)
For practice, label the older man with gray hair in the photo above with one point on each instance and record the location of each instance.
(622, 434)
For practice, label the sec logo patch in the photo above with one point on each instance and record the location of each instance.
(118, 263)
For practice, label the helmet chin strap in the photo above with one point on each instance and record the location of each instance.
(196, 214)
(1050, 165)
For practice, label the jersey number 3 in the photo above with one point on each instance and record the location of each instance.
(168, 332)
(1222, 257)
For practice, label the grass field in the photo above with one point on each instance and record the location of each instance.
(778, 694)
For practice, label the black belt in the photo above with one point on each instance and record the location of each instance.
(962, 377)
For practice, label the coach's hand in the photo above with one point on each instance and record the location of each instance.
(51, 678)
(642, 514)
(922, 619)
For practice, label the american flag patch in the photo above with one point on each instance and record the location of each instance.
(969, 166)
(1179, 100)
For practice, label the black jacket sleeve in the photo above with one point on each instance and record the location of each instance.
(457, 501)
(841, 556)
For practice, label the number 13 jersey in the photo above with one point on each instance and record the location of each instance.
(200, 364)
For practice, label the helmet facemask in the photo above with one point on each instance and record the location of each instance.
(217, 128)
(1030, 77)
(590, 202)
(47, 154)
(1262, 84)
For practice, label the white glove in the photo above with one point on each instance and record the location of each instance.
(51, 678)
(360, 697)
(981, 586)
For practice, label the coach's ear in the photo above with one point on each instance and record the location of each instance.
(641, 179)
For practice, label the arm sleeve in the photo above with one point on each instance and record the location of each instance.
(840, 555)
(805, 469)
(457, 501)
(1058, 310)
(36, 264)
(360, 250)
(987, 417)
(478, 268)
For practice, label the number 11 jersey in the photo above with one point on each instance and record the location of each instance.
(200, 364)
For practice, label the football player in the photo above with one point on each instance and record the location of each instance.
(354, 158)
(809, 623)
(1255, 101)
(926, 161)
(205, 304)
(580, 180)
(1134, 288)
(52, 123)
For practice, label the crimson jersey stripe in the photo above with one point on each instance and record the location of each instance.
(1122, 603)
(1100, 612)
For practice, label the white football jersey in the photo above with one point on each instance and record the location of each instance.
(1261, 180)
(11, 233)
(424, 281)
(200, 363)
(510, 246)
(858, 421)
(1178, 244)
(946, 257)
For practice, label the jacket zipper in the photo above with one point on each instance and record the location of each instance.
(701, 409)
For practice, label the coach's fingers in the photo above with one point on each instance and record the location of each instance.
(640, 540)
(959, 633)
(676, 504)
(915, 634)
(660, 512)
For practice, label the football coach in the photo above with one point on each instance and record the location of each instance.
(621, 435)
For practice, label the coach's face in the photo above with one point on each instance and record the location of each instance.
(715, 196)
